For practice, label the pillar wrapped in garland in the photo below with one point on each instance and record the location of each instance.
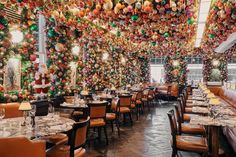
(215, 68)
(59, 56)
(145, 69)
(175, 70)
(24, 49)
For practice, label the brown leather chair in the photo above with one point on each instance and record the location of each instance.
(12, 110)
(125, 106)
(113, 116)
(97, 113)
(77, 141)
(185, 143)
(133, 106)
(145, 99)
(186, 128)
(22, 147)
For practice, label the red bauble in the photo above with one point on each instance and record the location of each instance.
(33, 57)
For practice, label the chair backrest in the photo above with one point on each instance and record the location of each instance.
(169, 89)
(134, 96)
(179, 117)
(78, 136)
(22, 147)
(151, 92)
(97, 110)
(125, 100)
(139, 95)
(173, 126)
(181, 104)
(41, 107)
(114, 104)
(12, 110)
(56, 102)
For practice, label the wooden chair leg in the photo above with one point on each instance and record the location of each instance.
(130, 118)
(99, 134)
(118, 127)
(137, 115)
(105, 132)
(112, 128)
(174, 153)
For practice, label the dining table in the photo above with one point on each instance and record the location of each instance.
(214, 117)
(44, 126)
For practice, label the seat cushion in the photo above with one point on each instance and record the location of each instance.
(150, 97)
(138, 102)
(64, 151)
(144, 99)
(163, 92)
(124, 109)
(193, 129)
(110, 116)
(188, 109)
(97, 122)
(77, 113)
(191, 143)
(56, 139)
(187, 117)
(133, 106)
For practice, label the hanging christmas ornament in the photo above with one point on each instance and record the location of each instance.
(138, 5)
(59, 47)
(108, 5)
(166, 34)
(130, 1)
(134, 17)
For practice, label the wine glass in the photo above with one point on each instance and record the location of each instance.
(51, 110)
(94, 97)
(2, 113)
(33, 110)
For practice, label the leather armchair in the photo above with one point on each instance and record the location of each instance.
(21, 147)
(12, 110)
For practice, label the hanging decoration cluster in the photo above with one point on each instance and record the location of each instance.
(220, 24)
(145, 69)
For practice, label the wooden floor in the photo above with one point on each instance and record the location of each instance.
(148, 137)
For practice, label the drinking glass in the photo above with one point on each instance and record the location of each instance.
(51, 110)
(94, 97)
(2, 113)
(33, 110)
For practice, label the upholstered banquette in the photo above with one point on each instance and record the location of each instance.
(227, 96)
(11, 110)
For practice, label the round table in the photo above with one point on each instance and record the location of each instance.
(44, 126)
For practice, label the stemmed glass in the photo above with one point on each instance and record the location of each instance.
(51, 110)
(94, 97)
(2, 113)
(32, 113)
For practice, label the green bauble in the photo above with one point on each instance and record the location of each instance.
(153, 43)
(134, 17)
(19, 1)
(113, 24)
(118, 34)
(51, 33)
(1, 6)
(211, 36)
(3, 21)
(166, 34)
(34, 27)
(190, 21)
(51, 19)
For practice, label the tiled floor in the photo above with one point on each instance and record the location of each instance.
(148, 137)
